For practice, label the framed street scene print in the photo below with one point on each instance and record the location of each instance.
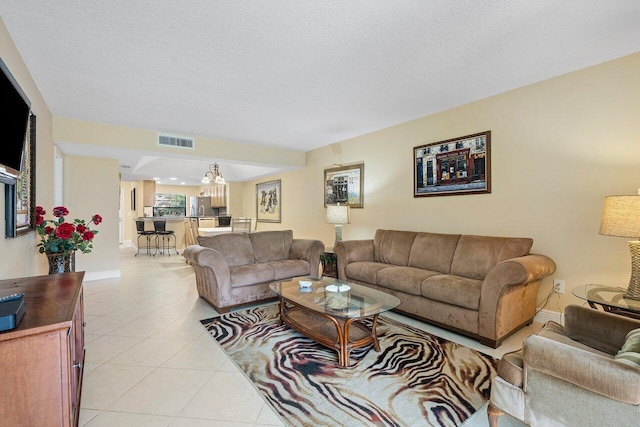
(453, 167)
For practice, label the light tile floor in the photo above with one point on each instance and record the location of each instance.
(149, 361)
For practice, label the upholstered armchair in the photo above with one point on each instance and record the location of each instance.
(569, 376)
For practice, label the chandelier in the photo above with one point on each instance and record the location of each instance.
(213, 175)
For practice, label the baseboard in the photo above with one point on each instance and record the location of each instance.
(99, 275)
(544, 316)
(126, 243)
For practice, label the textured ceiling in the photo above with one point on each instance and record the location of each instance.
(301, 74)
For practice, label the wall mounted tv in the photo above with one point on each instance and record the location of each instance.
(14, 121)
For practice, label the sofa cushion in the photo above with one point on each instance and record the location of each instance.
(403, 279)
(271, 245)
(450, 289)
(476, 255)
(393, 247)
(432, 251)
(364, 271)
(250, 274)
(235, 247)
(289, 268)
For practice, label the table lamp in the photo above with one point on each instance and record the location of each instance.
(621, 217)
(338, 214)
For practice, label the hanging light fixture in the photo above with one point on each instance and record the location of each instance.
(213, 175)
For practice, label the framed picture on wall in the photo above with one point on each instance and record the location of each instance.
(453, 167)
(344, 185)
(269, 201)
(20, 196)
(133, 199)
(26, 184)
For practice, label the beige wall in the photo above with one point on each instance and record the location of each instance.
(91, 133)
(19, 256)
(558, 147)
(235, 202)
(91, 186)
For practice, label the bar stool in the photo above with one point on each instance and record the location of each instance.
(160, 227)
(147, 234)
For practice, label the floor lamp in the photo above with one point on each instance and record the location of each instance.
(338, 215)
(621, 217)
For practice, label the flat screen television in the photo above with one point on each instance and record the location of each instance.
(14, 121)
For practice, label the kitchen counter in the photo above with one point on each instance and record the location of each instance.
(161, 218)
(208, 231)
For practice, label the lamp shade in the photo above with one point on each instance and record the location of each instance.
(621, 216)
(338, 214)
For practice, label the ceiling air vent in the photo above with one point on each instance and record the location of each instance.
(176, 141)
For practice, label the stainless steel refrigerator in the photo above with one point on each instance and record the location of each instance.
(200, 206)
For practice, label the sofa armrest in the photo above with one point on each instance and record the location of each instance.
(206, 258)
(513, 271)
(309, 250)
(590, 371)
(349, 251)
(597, 329)
(501, 281)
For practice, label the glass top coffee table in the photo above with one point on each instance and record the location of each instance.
(611, 299)
(330, 312)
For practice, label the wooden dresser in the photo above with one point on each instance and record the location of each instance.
(41, 361)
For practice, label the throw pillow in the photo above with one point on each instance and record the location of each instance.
(630, 351)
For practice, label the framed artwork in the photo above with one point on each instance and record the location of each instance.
(20, 197)
(269, 201)
(344, 185)
(133, 199)
(453, 167)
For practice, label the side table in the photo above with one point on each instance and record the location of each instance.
(329, 262)
(610, 298)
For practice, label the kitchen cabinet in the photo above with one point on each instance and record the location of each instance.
(218, 195)
(42, 359)
(148, 193)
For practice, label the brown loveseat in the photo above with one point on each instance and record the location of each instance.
(236, 268)
(483, 287)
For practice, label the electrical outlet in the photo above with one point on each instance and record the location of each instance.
(558, 286)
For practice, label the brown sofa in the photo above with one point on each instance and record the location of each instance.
(236, 268)
(483, 287)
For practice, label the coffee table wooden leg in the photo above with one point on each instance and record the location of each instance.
(281, 309)
(344, 345)
(374, 333)
(342, 333)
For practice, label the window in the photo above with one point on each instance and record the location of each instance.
(169, 204)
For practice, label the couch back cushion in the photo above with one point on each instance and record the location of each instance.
(432, 251)
(271, 245)
(393, 247)
(235, 247)
(476, 255)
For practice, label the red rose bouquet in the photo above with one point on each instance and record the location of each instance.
(59, 236)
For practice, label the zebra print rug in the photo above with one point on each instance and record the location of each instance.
(417, 379)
